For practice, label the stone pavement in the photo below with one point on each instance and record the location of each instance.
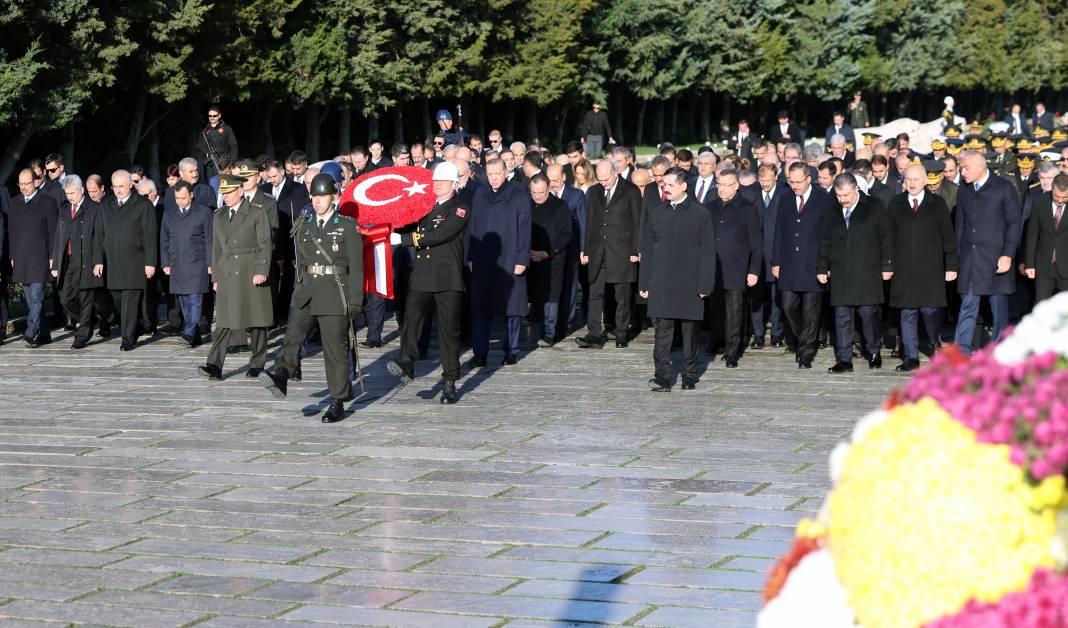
(559, 490)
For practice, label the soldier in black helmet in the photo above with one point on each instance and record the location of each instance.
(328, 291)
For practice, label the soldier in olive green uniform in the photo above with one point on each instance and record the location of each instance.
(259, 201)
(328, 291)
(241, 255)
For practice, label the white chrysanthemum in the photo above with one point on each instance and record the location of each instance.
(867, 422)
(1044, 329)
(837, 459)
(1059, 547)
(810, 598)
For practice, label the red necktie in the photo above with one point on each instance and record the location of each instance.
(701, 192)
(915, 206)
(73, 210)
(662, 197)
(800, 204)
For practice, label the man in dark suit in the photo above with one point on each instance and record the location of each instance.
(795, 255)
(131, 244)
(764, 298)
(923, 257)
(576, 203)
(988, 232)
(703, 182)
(594, 130)
(742, 141)
(1046, 256)
(185, 253)
(853, 248)
(78, 257)
(1041, 117)
(550, 240)
(785, 131)
(1017, 121)
(736, 224)
(678, 270)
(31, 228)
(840, 127)
(290, 198)
(612, 246)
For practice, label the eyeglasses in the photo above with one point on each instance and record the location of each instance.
(213, 115)
(52, 170)
(439, 143)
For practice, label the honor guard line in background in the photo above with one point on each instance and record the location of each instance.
(382, 201)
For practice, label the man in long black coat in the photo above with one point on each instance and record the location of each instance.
(291, 197)
(550, 240)
(794, 258)
(611, 251)
(988, 232)
(923, 257)
(78, 256)
(30, 231)
(764, 297)
(131, 244)
(185, 252)
(1046, 253)
(738, 254)
(678, 271)
(853, 248)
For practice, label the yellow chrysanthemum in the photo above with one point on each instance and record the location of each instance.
(925, 518)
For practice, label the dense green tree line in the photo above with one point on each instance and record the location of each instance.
(115, 81)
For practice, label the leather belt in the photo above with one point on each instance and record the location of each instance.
(321, 269)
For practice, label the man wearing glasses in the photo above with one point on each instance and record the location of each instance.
(216, 139)
(53, 184)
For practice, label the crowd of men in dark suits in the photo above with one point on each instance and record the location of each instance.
(838, 243)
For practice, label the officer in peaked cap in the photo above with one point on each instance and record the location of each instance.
(937, 184)
(328, 291)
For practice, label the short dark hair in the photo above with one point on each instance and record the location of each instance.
(837, 114)
(826, 166)
(216, 108)
(534, 158)
(684, 154)
(902, 136)
(183, 185)
(1060, 182)
(374, 141)
(947, 158)
(359, 149)
(572, 147)
(272, 163)
(297, 158)
(880, 160)
(137, 169)
(473, 137)
(798, 166)
(681, 176)
(743, 120)
(54, 158)
(538, 177)
(400, 148)
(862, 166)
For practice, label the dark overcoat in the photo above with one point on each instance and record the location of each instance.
(613, 232)
(498, 239)
(185, 247)
(922, 250)
(31, 230)
(131, 242)
(678, 260)
(854, 255)
(738, 241)
(241, 248)
(987, 227)
(797, 240)
(550, 232)
(84, 234)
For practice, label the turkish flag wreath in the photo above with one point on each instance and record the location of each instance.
(380, 201)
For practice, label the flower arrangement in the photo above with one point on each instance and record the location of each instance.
(949, 506)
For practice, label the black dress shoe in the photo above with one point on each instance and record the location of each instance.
(875, 361)
(371, 344)
(732, 364)
(70, 327)
(276, 382)
(335, 413)
(804, 365)
(253, 373)
(790, 349)
(757, 344)
(237, 349)
(908, 365)
(776, 342)
(79, 344)
(841, 367)
(509, 359)
(611, 334)
(448, 392)
(621, 344)
(127, 345)
(545, 342)
(406, 372)
(31, 343)
(211, 371)
(477, 363)
(688, 384)
(105, 332)
(660, 385)
(589, 341)
(296, 375)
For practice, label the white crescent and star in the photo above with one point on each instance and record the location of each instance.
(359, 194)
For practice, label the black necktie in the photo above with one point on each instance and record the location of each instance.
(322, 223)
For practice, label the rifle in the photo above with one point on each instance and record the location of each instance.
(212, 155)
(460, 119)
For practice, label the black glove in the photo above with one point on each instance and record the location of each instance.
(353, 311)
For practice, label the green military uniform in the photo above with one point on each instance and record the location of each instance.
(858, 115)
(938, 184)
(324, 254)
(241, 249)
(1005, 163)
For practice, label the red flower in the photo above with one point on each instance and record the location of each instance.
(778, 574)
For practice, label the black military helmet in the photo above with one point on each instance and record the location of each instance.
(323, 185)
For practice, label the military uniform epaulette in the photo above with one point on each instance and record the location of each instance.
(338, 217)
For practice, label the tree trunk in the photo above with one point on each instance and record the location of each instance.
(152, 165)
(639, 133)
(344, 130)
(372, 129)
(532, 121)
(15, 146)
(675, 120)
(617, 124)
(265, 127)
(658, 121)
(724, 115)
(398, 124)
(137, 122)
(706, 117)
(561, 125)
(311, 131)
(428, 131)
(508, 111)
(67, 149)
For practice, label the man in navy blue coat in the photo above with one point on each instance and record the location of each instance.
(766, 292)
(794, 256)
(839, 127)
(988, 233)
(185, 255)
(498, 253)
(576, 202)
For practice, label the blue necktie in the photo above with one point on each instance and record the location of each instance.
(848, 213)
(976, 186)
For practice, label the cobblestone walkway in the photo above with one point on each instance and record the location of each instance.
(559, 490)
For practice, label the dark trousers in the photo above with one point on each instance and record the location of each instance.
(624, 298)
(192, 305)
(969, 312)
(802, 311)
(34, 294)
(910, 329)
(78, 304)
(374, 312)
(664, 333)
(480, 335)
(568, 295)
(417, 313)
(764, 305)
(334, 333)
(870, 322)
(286, 276)
(150, 300)
(3, 296)
(733, 323)
(104, 309)
(128, 304)
(1048, 285)
(221, 341)
(59, 315)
